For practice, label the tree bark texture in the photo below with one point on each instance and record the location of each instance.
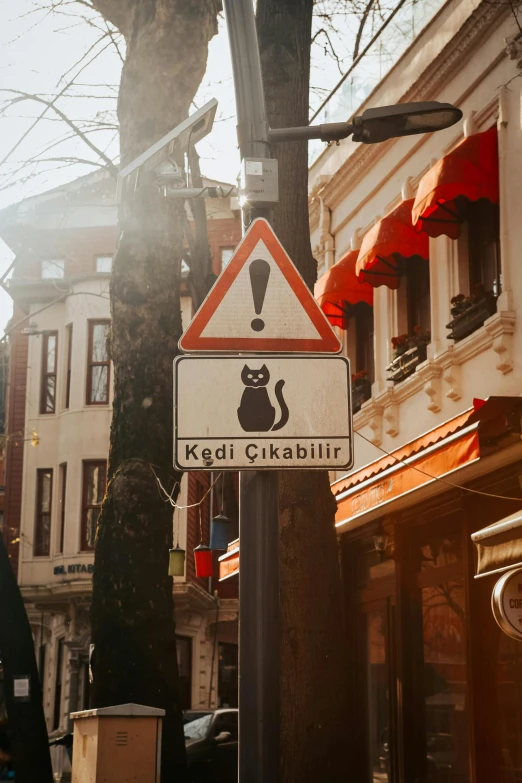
(27, 727)
(132, 613)
(313, 676)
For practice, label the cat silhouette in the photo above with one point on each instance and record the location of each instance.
(256, 413)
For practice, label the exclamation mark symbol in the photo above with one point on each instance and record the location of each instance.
(259, 274)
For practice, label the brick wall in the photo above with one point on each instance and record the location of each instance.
(198, 484)
(222, 233)
(77, 246)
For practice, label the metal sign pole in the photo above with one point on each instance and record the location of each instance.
(258, 491)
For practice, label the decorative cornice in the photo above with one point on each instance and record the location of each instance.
(438, 73)
(190, 596)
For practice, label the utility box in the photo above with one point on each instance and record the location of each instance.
(120, 744)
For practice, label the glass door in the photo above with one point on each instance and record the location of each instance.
(381, 701)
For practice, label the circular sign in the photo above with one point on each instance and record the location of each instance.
(506, 602)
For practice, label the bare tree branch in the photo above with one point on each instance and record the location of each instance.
(27, 96)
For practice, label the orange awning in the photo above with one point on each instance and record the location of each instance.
(470, 171)
(459, 442)
(229, 562)
(428, 465)
(339, 289)
(405, 452)
(386, 243)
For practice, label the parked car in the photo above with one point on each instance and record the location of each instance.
(189, 715)
(212, 744)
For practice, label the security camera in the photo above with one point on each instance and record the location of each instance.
(158, 161)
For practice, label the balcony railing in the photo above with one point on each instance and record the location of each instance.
(471, 319)
(405, 364)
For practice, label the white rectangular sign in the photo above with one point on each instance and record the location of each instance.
(262, 411)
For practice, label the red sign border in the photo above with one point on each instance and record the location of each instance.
(191, 340)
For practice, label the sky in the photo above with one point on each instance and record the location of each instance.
(42, 52)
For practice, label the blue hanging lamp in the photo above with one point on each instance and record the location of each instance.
(220, 531)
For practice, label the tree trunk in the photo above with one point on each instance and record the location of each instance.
(313, 676)
(27, 727)
(132, 612)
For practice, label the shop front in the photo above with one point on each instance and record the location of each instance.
(436, 686)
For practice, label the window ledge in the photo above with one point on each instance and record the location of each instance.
(439, 376)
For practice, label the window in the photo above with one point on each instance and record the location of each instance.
(58, 684)
(104, 264)
(98, 369)
(364, 356)
(63, 485)
(184, 656)
(42, 528)
(53, 269)
(41, 662)
(94, 482)
(226, 721)
(418, 294)
(69, 333)
(484, 247)
(227, 675)
(226, 255)
(48, 381)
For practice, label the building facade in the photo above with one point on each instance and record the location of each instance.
(58, 418)
(418, 241)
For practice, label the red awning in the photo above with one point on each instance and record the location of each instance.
(391, 239)
(470, 171)
(338, 289)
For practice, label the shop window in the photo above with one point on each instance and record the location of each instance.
(227, 675)
(509, 698)
(42, 528)
(184, 656)
(93, 491)
(104, 264)
(98, 367)
(63, 491)
(48, 372)
(409, 664)
(58, 684)
(53, 269)
(226, 255)
(438, 603)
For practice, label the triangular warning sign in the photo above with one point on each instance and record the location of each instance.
(260, 303)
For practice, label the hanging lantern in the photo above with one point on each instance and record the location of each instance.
(220, 532)
(203, 560)
(177, 561)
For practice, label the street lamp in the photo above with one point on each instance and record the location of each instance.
(407, 119)
(380, 124)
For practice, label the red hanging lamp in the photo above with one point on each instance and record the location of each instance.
(203, 560)
(203, 555)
